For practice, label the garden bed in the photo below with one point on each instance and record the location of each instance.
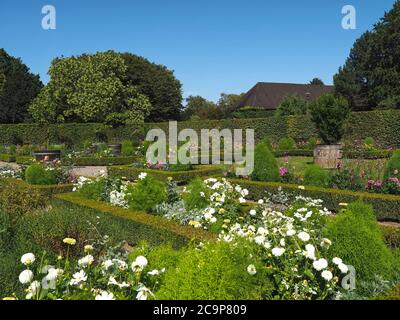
(146, 223)
(387, 207)
(132, 174)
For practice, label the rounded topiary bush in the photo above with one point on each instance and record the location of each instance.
(393, 166)
(287, 144)
(358, 240)
(146, 194)
(265, 165)
(316, 176)
(37, 175)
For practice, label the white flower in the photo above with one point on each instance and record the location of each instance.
(320, 264)
(142, 176)
(104, 295)
(326, 243)
(327, 275)
(310, 252)
(290, 232)
(337, 261)
(213, 220)
(86, 261)
(54, 273)
(242, 200)
(261, 201)
(78, 277)
(107, 264)
(139, 264)
(253, 212)
(202, 194)
(282, 242)
(27, 259)
(26, 276)
(304, 236)
(259, 240)
(251, 269)
(143, 293)
(122, 265)
(277, 252)
(33, 290)
(343, 268)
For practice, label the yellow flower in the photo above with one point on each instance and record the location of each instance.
(194, 223)
(88, 248)
(222, 211)
(227, 221)
(9, 298)
(302, 187)
(343, 204)
(70, 241)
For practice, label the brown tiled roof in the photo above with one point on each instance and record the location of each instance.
(269, 95)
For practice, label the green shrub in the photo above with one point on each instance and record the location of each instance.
(94, 190)
(13, 150)
(267, 141)
(38, 175)
(265, 165)
(146, 194)
(180, 167)
(197, 195)
(393, 166)
(312, 142)
(127, 149)
(369, 143)
(358, 240)
(216, 272)
(287, 144)
(316, 176)
(7, 157)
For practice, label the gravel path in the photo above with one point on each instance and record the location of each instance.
(6, 164)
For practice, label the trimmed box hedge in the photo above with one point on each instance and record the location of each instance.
(145, 223)
(109, 161)
(387, 207)
(46, 190)
(179, 176)
(25, 160)
(7, 158)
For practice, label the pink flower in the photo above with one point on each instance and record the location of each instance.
(283, 171)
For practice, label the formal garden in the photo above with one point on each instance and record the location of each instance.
(85, 215)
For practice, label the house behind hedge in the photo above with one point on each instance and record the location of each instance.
(268, 96)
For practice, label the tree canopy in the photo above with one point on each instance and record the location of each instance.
(90, 88)
(199, 108)
(18, 87)
(317, 82)
(371, 75)
(158, 84)
(292, 106)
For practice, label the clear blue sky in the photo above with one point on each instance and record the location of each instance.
(214, 46)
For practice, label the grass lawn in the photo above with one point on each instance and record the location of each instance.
(375, 168)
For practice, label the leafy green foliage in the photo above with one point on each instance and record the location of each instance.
(292, 106)
(18, 87)
(393, 166)
(127, 148)
(317, 82)
(370, 76)
(265, 165)
(287, 144)
(199, 108)
(316, 176)
(358, 240)
(329, 114)
(158, 84)
(90, 88)
(146, 194)
(38, 175)
(197, 195)
(216, 272)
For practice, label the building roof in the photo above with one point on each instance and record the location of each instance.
(268, 95)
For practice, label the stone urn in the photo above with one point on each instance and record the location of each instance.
(115, 149)
(47, 155)
(328, 156)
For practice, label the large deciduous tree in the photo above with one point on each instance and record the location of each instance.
(18, 87)
(371, 75)
(158, 84)
(90, 88)
(199, 108)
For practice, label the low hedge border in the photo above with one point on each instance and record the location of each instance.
(46, 190)
(387, 207)
(179, 176)
(7, 158)
(110, 161)
(25, 160)
(155, 222)
(294, 153)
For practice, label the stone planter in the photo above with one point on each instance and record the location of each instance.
(47, 155)
(328, 157)
(115, 149)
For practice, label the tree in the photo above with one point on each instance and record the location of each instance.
(90, 88)
(329, 113)
(292, 106)
(370, 76)
(158, 84)
(317, 82)
(200, 108)
(18, 87)
(227, 103)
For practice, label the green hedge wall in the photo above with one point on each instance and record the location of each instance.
(7, 158)
(179, 176)
(46, 191)
(383, 126)
(387, 207)
(111, 161)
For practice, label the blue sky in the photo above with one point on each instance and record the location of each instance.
(214, 46)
